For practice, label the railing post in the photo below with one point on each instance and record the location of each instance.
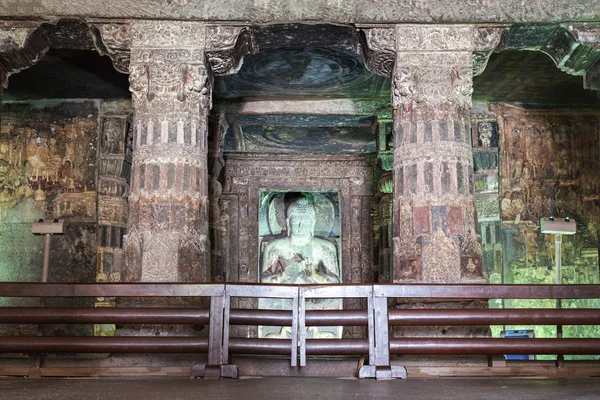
(216, 366)
(261, 291)
(302, 327)
(380, 367)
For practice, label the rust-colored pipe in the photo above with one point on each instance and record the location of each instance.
(491, 316)
(162, 315)
(312, 318)
(103, 315)
(474, 346)
(336, 317)
(138, 344)
(280, 347)
(260, 317)
(344, 347)
(313, 346)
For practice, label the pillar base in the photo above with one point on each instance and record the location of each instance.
(382, 372)
(214, 371)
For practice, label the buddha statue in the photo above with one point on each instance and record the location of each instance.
(300, 258)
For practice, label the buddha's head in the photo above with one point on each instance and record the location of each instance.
(301, 219)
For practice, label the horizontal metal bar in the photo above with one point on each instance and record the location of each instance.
(280, 347)
(103, 315)
(10, 289)
(405, 346)
(116, 344)
(313, 346)
(266, 291)
(199, 316)
(495, 316)
(336, 291)
(344, 347)
(476, 346)
(238, 316)
(111, 289)
(489, 291)
(163, 315)
(313, 317)
(336, 317)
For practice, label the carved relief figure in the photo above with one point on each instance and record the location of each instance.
(300, 257)
(485, 134)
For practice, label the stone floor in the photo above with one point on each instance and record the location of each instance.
(298, 388)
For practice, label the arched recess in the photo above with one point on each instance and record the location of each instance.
(62, 154)
(284, 88)
(574, 50)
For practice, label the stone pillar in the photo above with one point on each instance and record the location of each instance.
(385, 188)
(114, 167)
(216, 163)
(170, 80)
(435, 236)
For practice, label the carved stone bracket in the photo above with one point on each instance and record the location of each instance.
(485, 41)
(21, 46)
(574, 52)
(379, 48)
(113, 40)
(181, 59)
(226, 46)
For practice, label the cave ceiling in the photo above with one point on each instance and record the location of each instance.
(298, 87)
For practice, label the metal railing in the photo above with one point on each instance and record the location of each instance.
(377, 317)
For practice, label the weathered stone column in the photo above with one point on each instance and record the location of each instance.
(168, 212)
(114, 168)
(385, 189)
(434, 229)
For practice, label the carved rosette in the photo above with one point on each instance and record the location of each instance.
(433, 210)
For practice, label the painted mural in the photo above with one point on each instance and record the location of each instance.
(48, 152)
(549, 166)
(551, 163)
(299, 244)
(48, 170)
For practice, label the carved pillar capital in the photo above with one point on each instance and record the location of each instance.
(168, 62)
(434, 68)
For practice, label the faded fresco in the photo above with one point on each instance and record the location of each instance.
(549, 166)
(48, 170)
(48, 152)
(299, 244)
